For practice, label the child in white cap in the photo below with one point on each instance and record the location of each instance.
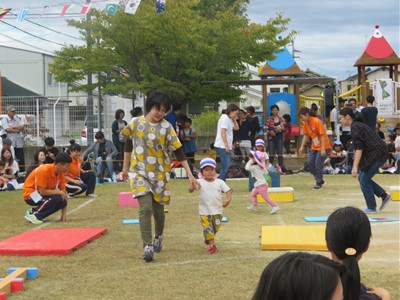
(256, 165)
(260, 146)
(210, 202)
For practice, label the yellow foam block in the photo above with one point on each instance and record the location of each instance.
(293, 238)
(395, 192)
(279, 194)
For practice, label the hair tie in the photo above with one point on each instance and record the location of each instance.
(350, 251)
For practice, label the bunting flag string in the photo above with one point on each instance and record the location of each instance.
(86, 8)
(132, 6)
(160, 6)
(22, 14)
(3, 12)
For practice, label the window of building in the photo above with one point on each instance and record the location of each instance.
(275, 90)
(49, 79)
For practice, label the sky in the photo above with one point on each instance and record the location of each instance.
(332, 34)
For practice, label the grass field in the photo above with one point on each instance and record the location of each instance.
(111, 266)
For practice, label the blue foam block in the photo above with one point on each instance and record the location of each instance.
(224, 219)
(31, 273)
(133, 221)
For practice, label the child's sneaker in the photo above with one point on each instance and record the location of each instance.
(158, 243)
(148, 253)
(212, 249)
(252, 207)
(275, 210)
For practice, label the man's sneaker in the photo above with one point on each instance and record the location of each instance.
(252, 207)
(32, 218)
(369, 211)
(158, 243)
(92, 195)
(317, 187)
(212, 249)
(148, 253)
(274, 210)
(385, 201)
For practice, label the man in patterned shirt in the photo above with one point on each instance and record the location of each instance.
(149, 152)
(370, 154)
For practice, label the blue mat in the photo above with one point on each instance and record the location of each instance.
(325, 218)
(224, 219)
(133, 221)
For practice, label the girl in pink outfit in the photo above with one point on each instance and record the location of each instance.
(256, 165)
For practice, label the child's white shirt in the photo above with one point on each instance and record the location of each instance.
(210, 200)
(258, 173)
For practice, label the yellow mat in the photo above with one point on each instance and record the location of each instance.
(293, 238)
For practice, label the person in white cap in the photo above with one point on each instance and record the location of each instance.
(256, 165)
(338, 158)
(14, 126)
(210, 202)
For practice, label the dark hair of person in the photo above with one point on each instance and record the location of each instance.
(11, 160)
(176, 106)
(242, 111)
(2, 164)
(136, 111)
(349, 111)
(251, 109)
(287, 118)
(299, 276)
(157, 99)
(74, 146)
(62, 158)
(353, 100)
(99, 135)
(49, 141)
(36, 155)
(274, 106)
(305, 110)
(370, 99)
(348, 228)
(231, 108)
(118, 112)
(314, 107)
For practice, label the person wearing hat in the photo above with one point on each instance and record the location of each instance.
(210, 201)
(338, 158)
(7, 144)
(256, 165)
(14, 126)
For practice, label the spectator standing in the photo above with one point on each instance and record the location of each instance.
(314, 130)
(104, 152)
(172, 116)
(334, 117)
(224, 139)
(370, 154)
(136, 112)
(275, 128)
(45, 190)
(116, 128)
(188, 135)
(7, 144)
(51, 151)
(255, 124)
(315, 109)
(243, 135)
(287, 133)
(14, 126)
(370, 113)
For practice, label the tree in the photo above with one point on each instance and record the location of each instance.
(191, 51)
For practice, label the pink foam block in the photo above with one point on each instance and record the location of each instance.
(126, 199)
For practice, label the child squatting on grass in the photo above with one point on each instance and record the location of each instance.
(210, 203)
(256, 165)
(153, 140)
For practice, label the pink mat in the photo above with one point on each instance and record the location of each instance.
(54, 241)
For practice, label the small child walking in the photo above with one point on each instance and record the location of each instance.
(256, 165)
(210, 202)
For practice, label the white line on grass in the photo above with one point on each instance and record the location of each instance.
(70, 212)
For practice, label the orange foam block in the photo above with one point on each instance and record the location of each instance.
(126, 199)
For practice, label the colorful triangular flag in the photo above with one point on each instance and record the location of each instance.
(22, 14)
(3, 12)
(132, 6)
(160, 6)
(87, 7)
(65, 9)
(111, 9)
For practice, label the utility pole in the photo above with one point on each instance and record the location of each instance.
(89, 104)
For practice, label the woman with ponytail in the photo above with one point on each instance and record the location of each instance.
(347, 235)
(370, 154)
(313, 129)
